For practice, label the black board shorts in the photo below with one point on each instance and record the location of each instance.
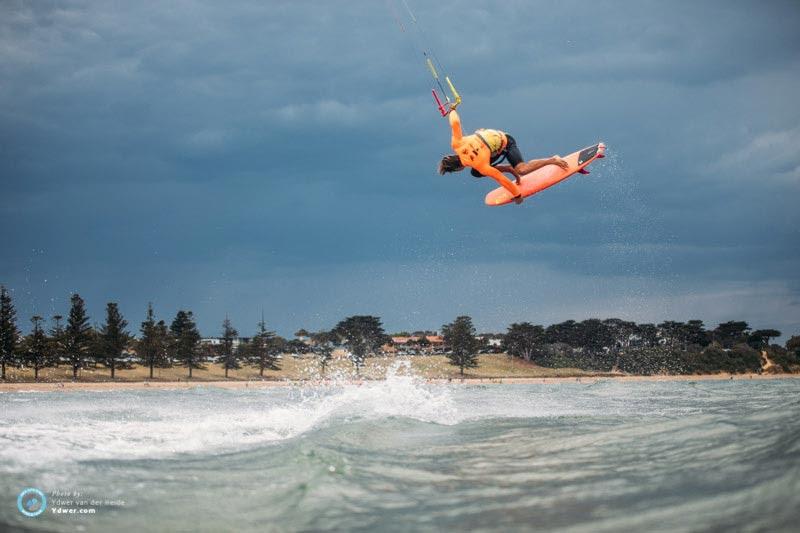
(511, 153)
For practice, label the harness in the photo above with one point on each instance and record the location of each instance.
(495, 158)
(499, 158)
(494, 151)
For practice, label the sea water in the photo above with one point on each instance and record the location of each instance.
(404, 455)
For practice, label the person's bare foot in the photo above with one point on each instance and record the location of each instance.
(556, 160)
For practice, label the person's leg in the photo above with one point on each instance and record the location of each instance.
(522, 167)
(514, 156)
(530, 166)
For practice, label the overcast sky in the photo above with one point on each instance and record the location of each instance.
(229, 157)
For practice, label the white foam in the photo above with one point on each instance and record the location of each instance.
(65, 429)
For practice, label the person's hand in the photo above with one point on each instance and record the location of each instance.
(556, 160)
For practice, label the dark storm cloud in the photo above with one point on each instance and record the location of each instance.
(282, 154)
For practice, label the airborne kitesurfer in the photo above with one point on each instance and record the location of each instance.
(484, 149)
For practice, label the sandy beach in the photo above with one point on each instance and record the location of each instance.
(66, 386)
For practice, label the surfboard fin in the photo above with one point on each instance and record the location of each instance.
(583, 171)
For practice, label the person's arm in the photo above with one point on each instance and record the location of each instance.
(510, 186)
(455, 125)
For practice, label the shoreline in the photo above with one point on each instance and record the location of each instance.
(65, 386)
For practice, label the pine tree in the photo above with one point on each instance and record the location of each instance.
(36, 353)
(363, 335)
(113, 337)
(230, 357)
(731, 333)
(324, 344)
(264, 349)
(9, 334)
(152, 348)
(77, 335)
(759, 339)
(523, 340)
(55, 343)
(460, 338)
(162, 336)
(185, 340)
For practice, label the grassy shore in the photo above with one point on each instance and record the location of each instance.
(307, 368)
(491, 369)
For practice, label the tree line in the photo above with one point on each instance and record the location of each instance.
(669, 347)
(72, 341)
(602, 345)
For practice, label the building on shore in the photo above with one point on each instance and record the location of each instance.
(414, 345)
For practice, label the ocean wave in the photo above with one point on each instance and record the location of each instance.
(161, 424)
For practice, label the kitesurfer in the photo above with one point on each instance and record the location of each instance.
(484, 149)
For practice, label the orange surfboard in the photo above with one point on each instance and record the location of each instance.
(545, 177)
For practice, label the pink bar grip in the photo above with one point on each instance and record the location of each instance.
(438, 102)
